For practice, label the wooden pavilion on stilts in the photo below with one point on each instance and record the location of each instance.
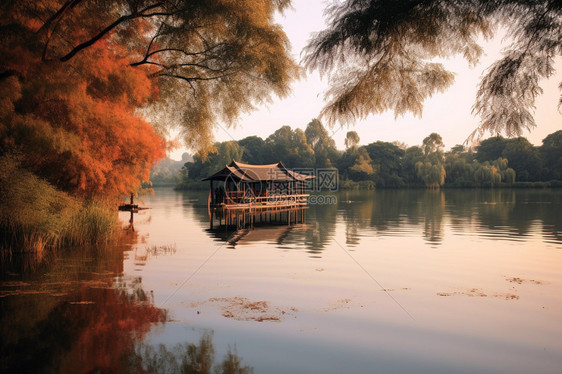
(242, 195)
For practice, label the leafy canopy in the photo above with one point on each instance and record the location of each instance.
(75, 125)
(379, 55)
(351, 139)
(210, 59)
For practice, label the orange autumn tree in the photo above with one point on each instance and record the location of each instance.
(75, 124)
(212, 60)
(75, 72)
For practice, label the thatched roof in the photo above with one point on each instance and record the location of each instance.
(257, 173)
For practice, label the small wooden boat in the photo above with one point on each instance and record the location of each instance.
(128, 207)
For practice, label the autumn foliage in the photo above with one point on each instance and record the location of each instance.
(74, 74)
(75, 124)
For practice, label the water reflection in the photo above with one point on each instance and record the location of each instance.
(433, 212)
(74, 312)
(143, 255)
(314, 234)
(186, 358)
(509, 214)
(77, 311)
(93, 309)
(497, 214)
(89, 327)
(320, 229)
(276, 234)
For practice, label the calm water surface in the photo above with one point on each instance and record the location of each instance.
(383, 281)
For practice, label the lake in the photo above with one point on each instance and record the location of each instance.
(387, 281)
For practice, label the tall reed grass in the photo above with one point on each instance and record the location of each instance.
(37, 218)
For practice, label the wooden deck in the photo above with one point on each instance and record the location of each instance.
(264, 202)
(243, 211)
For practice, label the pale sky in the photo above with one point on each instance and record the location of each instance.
(448, 114)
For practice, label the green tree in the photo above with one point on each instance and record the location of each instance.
(524, 158)
(378, 56)
(551, 151)
(324, 146)
(458, 149)
(412, 156)
(351, 139)
(387, 160)
(254, 150)
(355, 164)
(490, 149)
(432, 174)
(490, 174)
(459, 171)
(362, 168)
(431, 170)
(507, 175)
(346, 161)
(432, 143)
(291, 147)
(485, 175)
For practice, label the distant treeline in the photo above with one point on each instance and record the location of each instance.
(167, 172)
(496, 161)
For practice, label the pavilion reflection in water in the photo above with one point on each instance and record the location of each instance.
(242, 195)
(274, 234)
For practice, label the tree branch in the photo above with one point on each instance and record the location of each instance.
(106, 30)
(192, 79)
(186, 53)
(156, 35)
(56, 18)
(59, 13)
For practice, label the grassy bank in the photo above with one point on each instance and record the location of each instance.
(37, 218)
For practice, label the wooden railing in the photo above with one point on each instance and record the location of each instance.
(236, 198)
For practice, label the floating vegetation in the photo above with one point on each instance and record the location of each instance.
(243, 309)
(521, 281)
(475, 292)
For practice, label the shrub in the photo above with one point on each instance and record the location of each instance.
(35, 216)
